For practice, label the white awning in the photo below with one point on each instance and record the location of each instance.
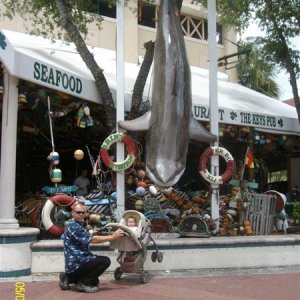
(239, 105)
(60, 67)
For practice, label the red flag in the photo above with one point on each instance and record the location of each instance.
(249, 160)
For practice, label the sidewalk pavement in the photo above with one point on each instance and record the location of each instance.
(233, 284)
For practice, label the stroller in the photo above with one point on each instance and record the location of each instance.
(133, 246)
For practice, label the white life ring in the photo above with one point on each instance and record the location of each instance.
(230, 165)
(130, 148)
(60, 199)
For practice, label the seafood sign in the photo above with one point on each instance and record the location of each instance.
(170, 124)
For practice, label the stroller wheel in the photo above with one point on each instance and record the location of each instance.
(153, 256)
(144, 277)
(160, 257)
(118, 273)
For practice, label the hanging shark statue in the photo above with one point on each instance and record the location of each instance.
(170, 123)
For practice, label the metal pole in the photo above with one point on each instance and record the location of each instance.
(120, 103)
(213, 103)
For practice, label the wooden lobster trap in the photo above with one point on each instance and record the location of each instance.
(260, 210)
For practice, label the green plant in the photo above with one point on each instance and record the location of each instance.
(296, 212)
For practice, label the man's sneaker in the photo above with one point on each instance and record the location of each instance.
(63, 281)
(85, 288)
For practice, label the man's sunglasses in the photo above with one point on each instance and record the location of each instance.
(79, 212)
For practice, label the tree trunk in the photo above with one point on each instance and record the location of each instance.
(137, 95)
(290, 68)
(288, 62)
(97, 72)
(293, 82)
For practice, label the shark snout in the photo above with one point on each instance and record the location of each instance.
(166, 173)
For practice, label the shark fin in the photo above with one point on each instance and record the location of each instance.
(141, 123)
(198, 133)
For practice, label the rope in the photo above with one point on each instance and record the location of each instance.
(50, 123)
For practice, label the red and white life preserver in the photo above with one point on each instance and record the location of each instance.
(60, 199)
(230, 165)
(130, 148)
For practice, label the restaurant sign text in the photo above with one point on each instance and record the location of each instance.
(242, 118)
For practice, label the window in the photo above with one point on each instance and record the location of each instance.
(147, 15)
(191, 26)
(198, 28)
(100, 7)
(219, 34)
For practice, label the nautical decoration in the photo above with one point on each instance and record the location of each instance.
(61, 199)
(66, 189)
(153, 190)
(139, 204)
(130, 148)
(56, 175)
(95, 218)
(230, 165)
(142, 184)
(22, 93)
(54, 158)
(281, 215)
(88, 119)
(141, 174)
(232, 209)
(235, 202)
(140, 191)
(170, 123)
(84, 118)
(78, 154)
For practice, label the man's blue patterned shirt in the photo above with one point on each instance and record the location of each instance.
(76, 246)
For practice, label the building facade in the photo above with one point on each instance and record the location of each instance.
(140, 27)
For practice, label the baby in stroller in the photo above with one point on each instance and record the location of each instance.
(133, 246)
(131, 222)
